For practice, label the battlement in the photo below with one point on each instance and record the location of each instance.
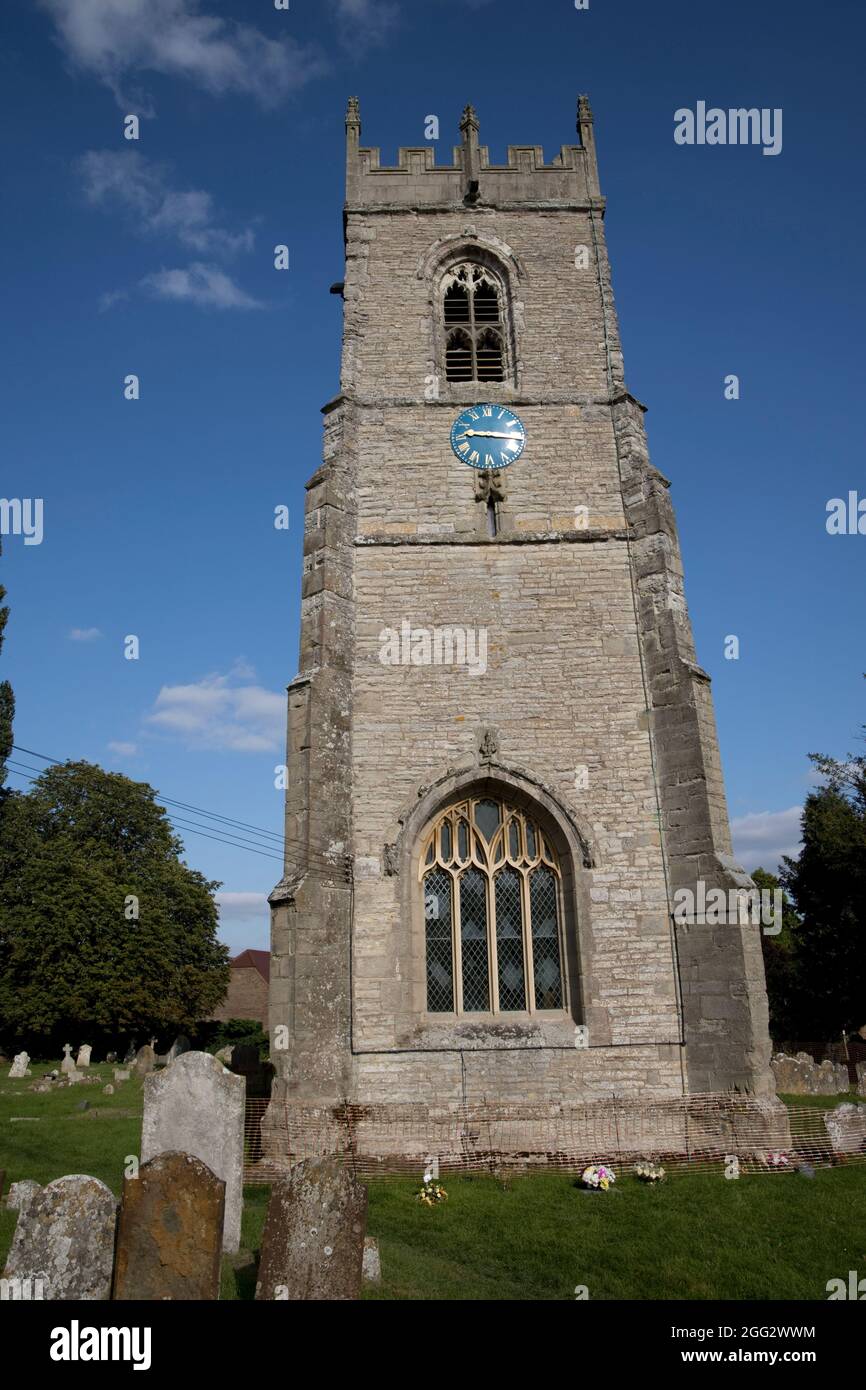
(417, 181)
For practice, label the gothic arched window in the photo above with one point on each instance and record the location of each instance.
(492, 912)
(474, 314)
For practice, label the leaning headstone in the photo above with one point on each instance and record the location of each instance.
(169, 1234)
(197, 1107)
(65, 1237)
(21, 1194)
(145, 1061)
(20, 1066)
(121, 1073)
(372, 1267)
(68, 1063)
(313, 1241)
(846, 1126)
(83, 1058)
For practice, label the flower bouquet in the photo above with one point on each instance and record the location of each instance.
(597, 1177)
(646, 1171)
(431, 1194)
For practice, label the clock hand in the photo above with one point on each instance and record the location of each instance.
(490, 434)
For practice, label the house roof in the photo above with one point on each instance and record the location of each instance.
(253, 960)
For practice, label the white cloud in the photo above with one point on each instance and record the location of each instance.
(204, 285)
(365, 24)
(241, 905)
(110, 298)
(123, 750)
(141, 188)
(84, 634)
(112, 39)
(244, 921)
(762, 838)
(218, 712)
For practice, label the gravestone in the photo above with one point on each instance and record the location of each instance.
(121, 1073)
(802, 1076)
(178, 1047)
(313, 1241)
(169, 1234)
(20, 1066)
(108, 1090)
(22, 1193)
(197, 1107)
(846, 1126)
(68, 1063)
(372, 1267)
(65, 1236)
(111, 1057)
(145, 1061)
(130, 1053)
(83, 1058)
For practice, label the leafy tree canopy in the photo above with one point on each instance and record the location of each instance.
(102, 927)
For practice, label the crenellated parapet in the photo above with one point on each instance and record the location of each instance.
(417, 181)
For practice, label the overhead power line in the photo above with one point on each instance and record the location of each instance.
(225, 830)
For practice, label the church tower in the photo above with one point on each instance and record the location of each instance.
(502, 753)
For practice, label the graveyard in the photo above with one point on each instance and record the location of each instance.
(507, 1236)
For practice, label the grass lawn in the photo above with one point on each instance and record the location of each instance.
(775, 1236)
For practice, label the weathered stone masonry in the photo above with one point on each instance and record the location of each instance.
(590, 664)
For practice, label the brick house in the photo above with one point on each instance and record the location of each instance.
(247, 994)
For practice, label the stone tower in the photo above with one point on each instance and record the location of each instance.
(502, 752)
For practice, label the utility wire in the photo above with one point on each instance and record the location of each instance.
(320, 866)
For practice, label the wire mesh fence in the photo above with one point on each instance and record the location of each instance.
(688, 1133)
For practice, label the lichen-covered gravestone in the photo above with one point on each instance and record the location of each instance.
(145, 1061)
(169, 1234)
(83, 1058)
(65, 1237)
(21, 1194)
(313, 1241)
(196, 1107)
(20, 1066)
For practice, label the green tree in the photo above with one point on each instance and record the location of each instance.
(7, 699)
(102, 927)
(827, 885)
(780, 965)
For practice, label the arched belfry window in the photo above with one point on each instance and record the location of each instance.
(475, 319)
(492, 912)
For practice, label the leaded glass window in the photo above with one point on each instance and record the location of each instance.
(474, 317)
(492, 907)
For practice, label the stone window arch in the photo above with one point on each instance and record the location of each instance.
(475, 322)
(492, 890)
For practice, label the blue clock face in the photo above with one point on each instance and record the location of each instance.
(488, 437)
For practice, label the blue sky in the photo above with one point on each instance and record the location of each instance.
(156, 258)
